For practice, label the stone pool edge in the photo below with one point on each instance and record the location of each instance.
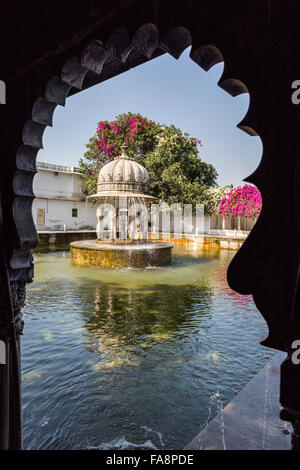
(251, 420)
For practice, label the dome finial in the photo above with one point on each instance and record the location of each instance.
(124, 147)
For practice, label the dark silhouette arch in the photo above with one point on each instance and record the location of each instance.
(99, 42)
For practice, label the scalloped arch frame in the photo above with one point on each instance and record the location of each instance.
(98, 62)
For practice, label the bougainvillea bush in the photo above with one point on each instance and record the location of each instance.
(244, 201)
(177, 173)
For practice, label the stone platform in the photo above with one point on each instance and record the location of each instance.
(60, 237)
(251, 420)
(120, 255)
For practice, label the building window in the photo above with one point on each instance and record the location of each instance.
(40, 217)
(74, 212)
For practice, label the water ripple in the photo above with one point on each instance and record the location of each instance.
(105, 352)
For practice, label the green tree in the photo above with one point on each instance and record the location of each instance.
(212, 197)
(177, 173)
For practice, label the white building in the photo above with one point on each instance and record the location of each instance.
(60, 203)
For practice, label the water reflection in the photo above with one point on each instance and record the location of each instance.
(143, 316)
(133, 359)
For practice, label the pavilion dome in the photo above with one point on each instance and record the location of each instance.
(123, 170)
(122, 177)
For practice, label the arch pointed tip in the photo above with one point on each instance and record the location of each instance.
(233, 86)
(146, 39)
(206, 56)
(175, 41)
(249, 130)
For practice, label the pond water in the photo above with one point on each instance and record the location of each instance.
(132, 359)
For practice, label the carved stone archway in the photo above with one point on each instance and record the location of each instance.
(267, 264)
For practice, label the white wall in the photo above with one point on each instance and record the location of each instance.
(59, 212)
(58, 191)
(57, 185)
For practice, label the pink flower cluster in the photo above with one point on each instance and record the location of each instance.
(244, 201)
(128, 127)
(198, 141)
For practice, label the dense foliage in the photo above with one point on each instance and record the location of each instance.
(177, 173)
(212, 197)
(242, 201)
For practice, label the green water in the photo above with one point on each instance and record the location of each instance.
(133, 359)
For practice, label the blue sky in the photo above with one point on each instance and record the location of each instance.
(169, 91)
